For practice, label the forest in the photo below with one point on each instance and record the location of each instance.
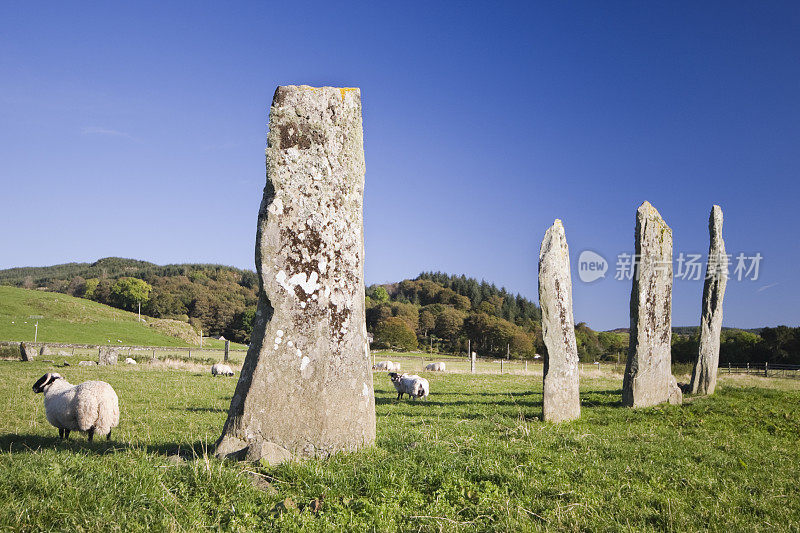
(433, 312)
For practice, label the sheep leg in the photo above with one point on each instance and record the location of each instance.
(108, 437)
(66, 434)
(60, 433)
(91, 434)
(399, 395)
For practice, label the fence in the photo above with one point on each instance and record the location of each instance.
(91, 351)
(768, 370)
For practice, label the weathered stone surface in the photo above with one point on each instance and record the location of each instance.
(561, 390)
(27, 351)
(648, 374)
(704, 376)
(108, 356)
(305, 388)
(45, 350)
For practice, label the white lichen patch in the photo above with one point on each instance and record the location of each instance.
(365, 390)
(306, 282)
(276, 207)
(289, 344)
(279, 333)
(304, 363)
(299, 352)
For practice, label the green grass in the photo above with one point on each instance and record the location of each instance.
(79, 321)
(475, 456)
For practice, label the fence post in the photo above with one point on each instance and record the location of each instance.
(227, 349)
(501, 366)
(729, 367)
(526, 366)
(766, 369)
(748, 367)
(472, 362)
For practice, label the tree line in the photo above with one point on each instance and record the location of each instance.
(433, 311)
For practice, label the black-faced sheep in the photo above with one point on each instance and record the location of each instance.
(411, 384)
(91, 407)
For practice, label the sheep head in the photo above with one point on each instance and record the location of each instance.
(44, 382)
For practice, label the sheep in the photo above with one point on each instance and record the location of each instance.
(386, 365)
(87, 363)
(219, 369)
(435, 367)
(411, 384)
(91, 407)
(130, 361)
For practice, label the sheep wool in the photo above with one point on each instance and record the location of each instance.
(435, 367)
(411, 384)
(219, 369)
(91, 407)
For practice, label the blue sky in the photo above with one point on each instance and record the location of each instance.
(139, 131)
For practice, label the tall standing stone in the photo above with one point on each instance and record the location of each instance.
(704, 376)
(27, 351)
(305, 388)
(648, 376)
(561, 390)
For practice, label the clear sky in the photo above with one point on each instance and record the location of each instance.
(138, 130)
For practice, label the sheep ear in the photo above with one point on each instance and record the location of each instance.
(41, 382)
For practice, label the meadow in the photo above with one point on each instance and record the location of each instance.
(475, 456)
(65, 319)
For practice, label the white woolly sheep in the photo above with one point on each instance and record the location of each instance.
(435, 367)
(411, 384)
(130, 361)
(91, 407)
(219, 369)
(387, 366)
(87, 363)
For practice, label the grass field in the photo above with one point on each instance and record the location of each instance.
(67, 319)
(475, 456)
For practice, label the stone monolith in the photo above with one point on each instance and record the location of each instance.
(107, 356)
(561, 391)
(704, 376)
(27, 351)
(305, 388)
(648, 376)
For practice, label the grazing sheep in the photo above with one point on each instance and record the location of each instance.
(218, 369)
(411, 384)
(130, 361)
(87, 363)
(92, 406)
(387, 366)
(435, 367)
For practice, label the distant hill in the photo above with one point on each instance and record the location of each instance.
(67, 319)
(217, 299)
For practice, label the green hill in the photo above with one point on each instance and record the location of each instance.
(67, 319)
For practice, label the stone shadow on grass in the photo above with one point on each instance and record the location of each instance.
(601, 398)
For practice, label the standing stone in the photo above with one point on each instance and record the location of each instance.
(45, 350)
(27, 351)
(108, 356)
(648, 376)
(561, 390)
(704, 376)
(305, 388)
